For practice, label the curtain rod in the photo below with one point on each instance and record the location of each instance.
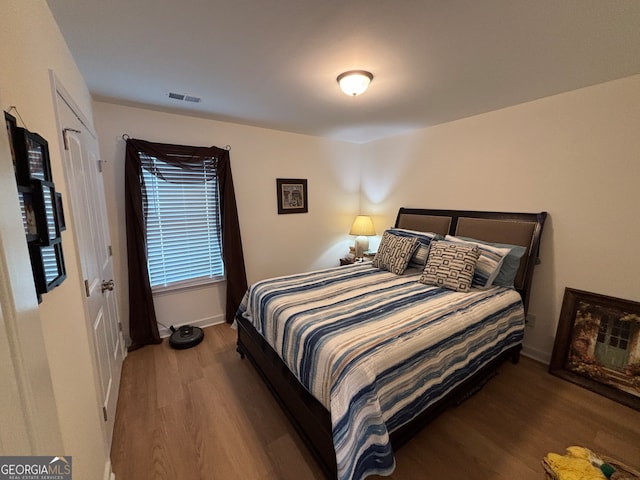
(125, 137)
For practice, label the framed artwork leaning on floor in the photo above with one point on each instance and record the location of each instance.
(597, 345)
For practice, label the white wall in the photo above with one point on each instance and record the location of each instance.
(273, 244)
(30, 45)
(575, 155)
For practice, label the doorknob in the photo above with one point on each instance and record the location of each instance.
(107, 285)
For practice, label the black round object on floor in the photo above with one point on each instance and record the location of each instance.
(185, 337)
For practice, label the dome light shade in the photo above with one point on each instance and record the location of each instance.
(354, 82)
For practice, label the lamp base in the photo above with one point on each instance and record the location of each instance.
(362, 245)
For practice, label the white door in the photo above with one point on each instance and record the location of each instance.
(91, 229)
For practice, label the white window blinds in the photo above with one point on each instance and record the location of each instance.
(183, 225)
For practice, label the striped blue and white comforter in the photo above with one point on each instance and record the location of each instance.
(376, 348)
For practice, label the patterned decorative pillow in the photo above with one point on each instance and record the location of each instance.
(451, 266)
(489, 262)
(419, 258)
(394, 252)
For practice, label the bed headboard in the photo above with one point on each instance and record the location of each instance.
(522, 229)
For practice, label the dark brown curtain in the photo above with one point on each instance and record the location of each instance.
(140, 154)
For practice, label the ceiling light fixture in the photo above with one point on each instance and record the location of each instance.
(354, 82)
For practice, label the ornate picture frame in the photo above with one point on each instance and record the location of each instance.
(597, 345)
(292, 195)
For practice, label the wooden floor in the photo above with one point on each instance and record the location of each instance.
(204, 413)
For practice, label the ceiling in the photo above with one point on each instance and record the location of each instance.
(274, 63)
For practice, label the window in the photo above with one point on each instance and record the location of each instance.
(183, 224)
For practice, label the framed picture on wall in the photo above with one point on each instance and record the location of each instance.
(292, 195)
(32, 156)
(44, 200)
(47, 262)
(10, 122)
(25, 196)
(60, 221)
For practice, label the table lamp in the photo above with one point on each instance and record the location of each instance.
(362, 227)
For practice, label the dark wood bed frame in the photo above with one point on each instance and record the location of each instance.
(310, 418)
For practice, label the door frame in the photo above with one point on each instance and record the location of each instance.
(60, 93)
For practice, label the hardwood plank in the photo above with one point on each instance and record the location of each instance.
(203, 413)
(288, 466)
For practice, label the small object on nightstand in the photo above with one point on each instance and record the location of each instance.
(349, 258)
(368, 255)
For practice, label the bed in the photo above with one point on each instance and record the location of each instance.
(361, 358)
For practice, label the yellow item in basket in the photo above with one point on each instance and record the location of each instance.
(575, 465)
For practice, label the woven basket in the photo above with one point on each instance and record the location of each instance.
(623, 472)
(628, 472)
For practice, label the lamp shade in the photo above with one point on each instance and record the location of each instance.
(362, 226)
(354, 82)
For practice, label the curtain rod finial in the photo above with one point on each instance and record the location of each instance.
(125, 137)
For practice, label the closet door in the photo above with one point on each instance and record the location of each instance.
(91, 230)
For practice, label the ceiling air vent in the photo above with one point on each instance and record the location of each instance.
(184, 98)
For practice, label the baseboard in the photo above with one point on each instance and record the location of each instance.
(537, 355)
(202, 323)
(108, 474)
